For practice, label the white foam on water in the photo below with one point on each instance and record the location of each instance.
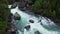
(35, 26)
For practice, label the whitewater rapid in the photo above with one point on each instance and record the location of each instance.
(40, 26)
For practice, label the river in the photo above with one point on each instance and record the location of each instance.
(45, 26)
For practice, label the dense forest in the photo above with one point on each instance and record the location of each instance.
(48, 8)
(4, 13)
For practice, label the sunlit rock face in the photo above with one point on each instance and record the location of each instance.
(17, 16)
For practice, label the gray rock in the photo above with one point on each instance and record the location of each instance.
(37, 32)
(27, 27)
(14, 5)
(17, 16)
(31, 21)
(21, 5)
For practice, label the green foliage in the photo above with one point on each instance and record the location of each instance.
(4, 13)
(3, 25)
(51, 8)
(36, 5)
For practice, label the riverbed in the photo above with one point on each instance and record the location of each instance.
(42, 26)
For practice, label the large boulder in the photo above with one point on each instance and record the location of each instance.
(14, 5)
(37, 32)
(22, 5)
(17, 16)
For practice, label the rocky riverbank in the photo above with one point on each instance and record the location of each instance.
(25, 5)
(11, 29)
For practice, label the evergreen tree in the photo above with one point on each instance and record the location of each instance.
(4, 13)
(49, 8)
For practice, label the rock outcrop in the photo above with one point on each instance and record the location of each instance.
(21, 5)
(14, 5)
(26, 5)
(17, 16)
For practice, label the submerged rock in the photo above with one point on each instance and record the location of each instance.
(37, 32)
(17, 16)
(27, 27)
(31, 21)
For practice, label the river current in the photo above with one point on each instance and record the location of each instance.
(45, 26)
